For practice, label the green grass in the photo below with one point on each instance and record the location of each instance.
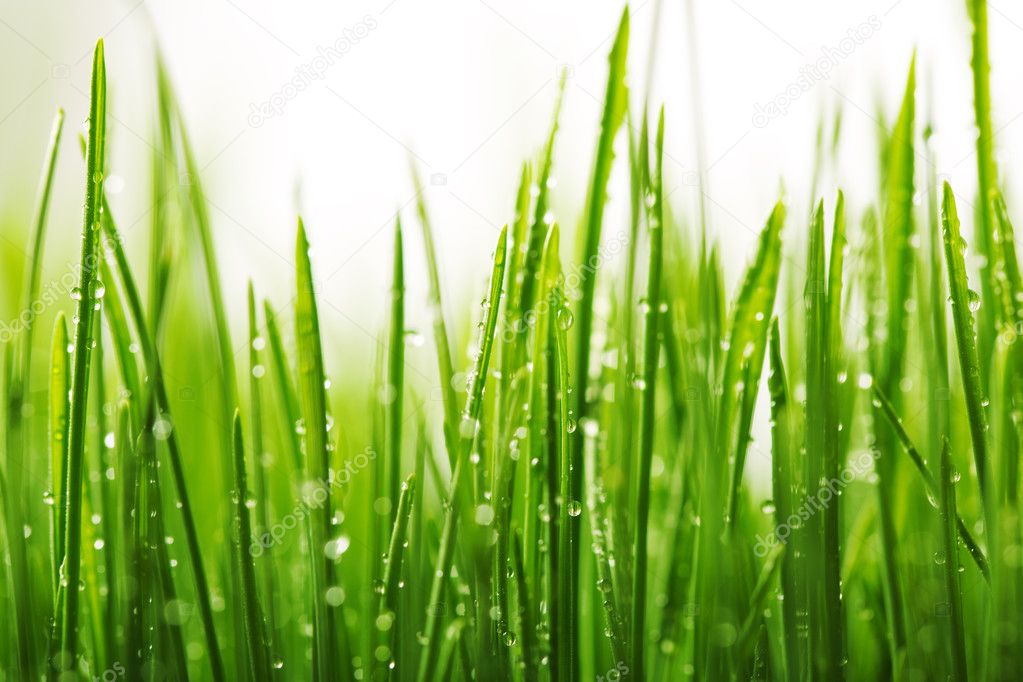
(64, 649)
(648, 412)
(576, 500)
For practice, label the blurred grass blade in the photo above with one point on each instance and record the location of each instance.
(395, 374)
(541, 222)
(37, 240)
(287, 401)
(60, 386)
(197, 204)
(897, 231)
(440, 330)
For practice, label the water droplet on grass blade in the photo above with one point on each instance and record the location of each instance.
(973, 300)
(335, 596)
(484, 515)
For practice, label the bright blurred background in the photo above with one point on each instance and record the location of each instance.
(465, 89)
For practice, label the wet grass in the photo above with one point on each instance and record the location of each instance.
(576, 501)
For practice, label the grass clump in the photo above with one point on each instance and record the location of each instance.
(579, 506)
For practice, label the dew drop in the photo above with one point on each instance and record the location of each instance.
(335, 596)
(484, 515)
(973, 300)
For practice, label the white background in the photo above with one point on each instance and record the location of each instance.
(467, 87)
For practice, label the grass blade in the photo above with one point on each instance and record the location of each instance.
(330, 640)
(541, 220)
(467, 431)
(889, 360)
(818, 392)
(964, 302)
(648, 410)
(83, 340)
(950, 549)
(782, 483)
(33, 274)
(285, 389)
(395, 374)
(565, 604)
(60, 387)
(260, 467)
(615, 105)
(387, 611)
(745, 639)
(747, 343)
(933, 489)
(440, 330)
(987, 179)
(258, 654)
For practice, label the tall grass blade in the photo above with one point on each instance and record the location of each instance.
(468, 429)
(615, 105)
(440, 330)
(818, 393)
(30, 291)
(889, 362)
(387, 611)
(782, 483)
(330, 639)
(258, 653)
(394, 390)
(747, 344)
(261, 466)
(287, 400)
(987, 181)
(965, 302)
(57, 418)
(89, 292)
(648, 414)
(950, 550)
